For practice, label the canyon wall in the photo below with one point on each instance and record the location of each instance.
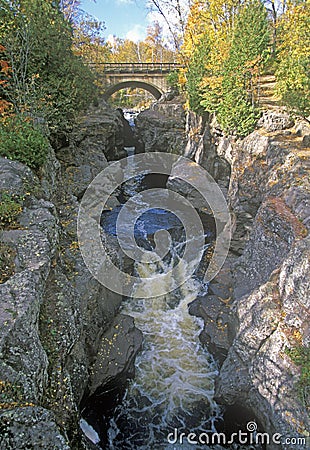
(56, 319)
(61, 330)
(257, 309)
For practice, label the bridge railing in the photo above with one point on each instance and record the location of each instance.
(127, 67)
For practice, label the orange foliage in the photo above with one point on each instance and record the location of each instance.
(5, 69)
(5, 107)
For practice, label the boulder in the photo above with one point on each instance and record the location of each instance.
(116, 354)
(24, 359)
(275, 120)
(162, 128)
(17, 179)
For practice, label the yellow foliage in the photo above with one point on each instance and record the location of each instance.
(294, 56)
(214, 19)
(295, 24)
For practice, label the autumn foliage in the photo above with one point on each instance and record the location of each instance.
(5, 70)
(225, 46)
(228, 44)
(40, 75)
(47, 46)
(293, 73)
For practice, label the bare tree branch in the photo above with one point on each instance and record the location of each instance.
(174, 14)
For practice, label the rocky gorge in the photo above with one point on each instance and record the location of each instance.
(61, 331)
(257, 307)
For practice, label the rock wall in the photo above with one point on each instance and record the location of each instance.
(162, 127)
(258, 305)
(54, 317)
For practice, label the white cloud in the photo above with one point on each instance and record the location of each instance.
(137, 33)
(111, 39)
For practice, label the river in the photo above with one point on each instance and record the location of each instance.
(169, 404)
(174, 383)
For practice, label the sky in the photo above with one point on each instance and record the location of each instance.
(123, 18)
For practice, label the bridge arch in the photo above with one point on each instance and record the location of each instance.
(134, 84)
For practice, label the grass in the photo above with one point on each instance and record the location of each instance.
(7, 265)
(10, 208)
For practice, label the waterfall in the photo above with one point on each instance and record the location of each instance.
(174, 382)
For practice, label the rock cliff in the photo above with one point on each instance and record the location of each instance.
(162, 127)
(256, 313)
(257, 310)
(61, 330)
(54, 316)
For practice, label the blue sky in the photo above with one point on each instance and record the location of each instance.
(123, 18)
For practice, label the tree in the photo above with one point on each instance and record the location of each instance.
(154, 40)
(47, 79)
(152, 49)
(225, 43)
(88, 40)
(174, 14)
(71, 10)
(125, 50)
(210, 24)
(249, 48)
(275, 9)
(196, 71)
(293, 74)
(236, 110)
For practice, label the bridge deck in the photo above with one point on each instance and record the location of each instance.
(126, 67)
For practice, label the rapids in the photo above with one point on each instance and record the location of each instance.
(174, 382)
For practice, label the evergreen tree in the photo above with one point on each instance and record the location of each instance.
(228, 49)
(236, 111)
(196, 71)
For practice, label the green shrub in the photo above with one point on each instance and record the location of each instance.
(10, 208)
(300, 355)
(173, 79)
(21, 141)
(236, 114)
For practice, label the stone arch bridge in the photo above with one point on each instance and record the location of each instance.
(151, 77)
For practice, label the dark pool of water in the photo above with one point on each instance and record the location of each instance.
(148, 223)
